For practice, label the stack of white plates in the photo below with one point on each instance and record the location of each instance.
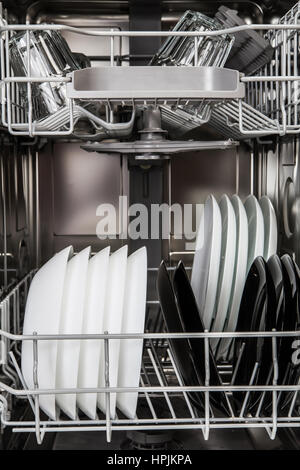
(230, 236)
(79, 294)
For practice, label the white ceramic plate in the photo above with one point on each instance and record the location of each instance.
(133, 322)
(239, 277)
(113, 323)
(256, 231)
(42, 315)
(93, 318)
(270, 243)
(71, 323)
(206, 262)
(228, 249)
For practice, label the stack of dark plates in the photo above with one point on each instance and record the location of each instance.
(270, 301)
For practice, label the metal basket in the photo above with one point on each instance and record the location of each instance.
(164, 401)
(263, 104)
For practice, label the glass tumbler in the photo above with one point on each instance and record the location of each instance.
(50, 56)
(210, 51)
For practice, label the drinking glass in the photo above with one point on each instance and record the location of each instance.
(210, 51)
(180, 50)
(50, 56)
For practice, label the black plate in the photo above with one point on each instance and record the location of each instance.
(274, 283)
(251, 318)
(192, 323)
(180, 347)
(288, 371)
(275, 269)
(297, 274)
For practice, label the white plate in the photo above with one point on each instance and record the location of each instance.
(93, 318)
(206, 263)
(240, 268)
(71, 323)
(228, 249)
(113, 323)
(255, 230)
(42, 315)
(133, 322)
(270, 244)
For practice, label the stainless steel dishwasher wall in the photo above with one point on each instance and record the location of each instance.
(72, 185)
(192, 177)
(289, 197)
(19, 210)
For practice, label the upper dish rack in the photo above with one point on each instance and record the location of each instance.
(266, 103)
(164, 402)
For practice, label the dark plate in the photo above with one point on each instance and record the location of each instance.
(275, 269)
(288, 371)
(180, 347)
(274, 283)
(251, 318)
(192, 323)
(297, 274)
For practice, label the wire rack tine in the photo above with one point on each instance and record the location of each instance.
(30, 399)
(274, 392)
(207, 378)
(38, 433)
(245, 401)
(171, 409)
(181, 383)
(107, 394)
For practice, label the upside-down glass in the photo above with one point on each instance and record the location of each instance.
(180, 50)
(50, 56)
(210, 51)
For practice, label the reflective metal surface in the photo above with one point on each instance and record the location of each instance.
(196, 175)
(73, 183)
(289, 194)
(18, 224)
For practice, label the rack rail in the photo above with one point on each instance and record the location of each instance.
(164, 401)
(242, 106)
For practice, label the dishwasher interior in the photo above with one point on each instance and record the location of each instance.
(110, 145)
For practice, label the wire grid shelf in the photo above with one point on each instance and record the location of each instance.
(270, 105)
(164, 401)
(275, 92)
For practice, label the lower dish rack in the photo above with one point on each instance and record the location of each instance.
(163, 400)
